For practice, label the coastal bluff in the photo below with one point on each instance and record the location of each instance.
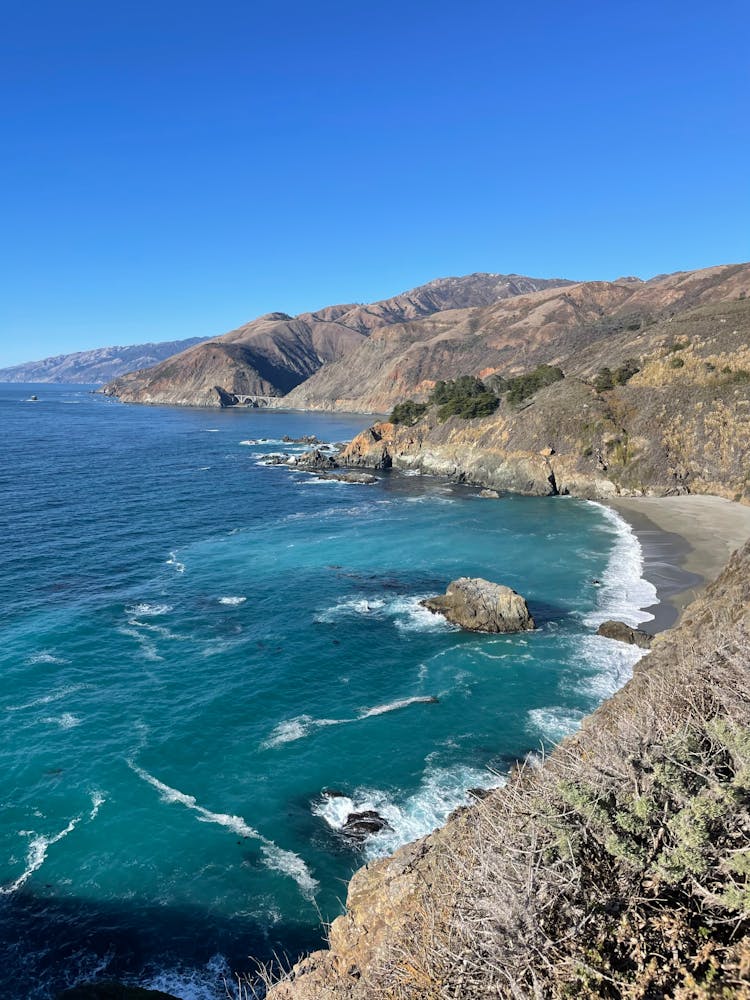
(618, 866)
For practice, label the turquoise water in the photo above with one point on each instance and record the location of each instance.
(195, 645)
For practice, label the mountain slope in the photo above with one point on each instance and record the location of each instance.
(275, 353)
(98, 365)
(574, 326)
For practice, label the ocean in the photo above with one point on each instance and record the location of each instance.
(195, 646)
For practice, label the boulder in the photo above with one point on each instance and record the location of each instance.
(624, 633)
(316, 459)
(481, 606)
(361, 825)
(489, 494)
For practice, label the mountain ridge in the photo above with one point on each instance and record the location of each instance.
(99, 364)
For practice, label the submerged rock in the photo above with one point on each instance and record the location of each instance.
(361, 825)
(363, 478)
(482, 606)
(624, 633)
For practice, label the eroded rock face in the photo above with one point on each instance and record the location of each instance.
(482, 606)
(624, 633)
(361, 825)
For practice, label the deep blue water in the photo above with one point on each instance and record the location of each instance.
(195, 645)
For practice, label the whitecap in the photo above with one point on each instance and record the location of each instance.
(275, 857)
(210, 430)
(351, 606)
(554, 723)
(174, 561)
(97, 801)
(37, 854)
(303, 725)
(232, 600)
(145, 610)
(46, 699)
(394, 706)
(65, 721)
(45, 657)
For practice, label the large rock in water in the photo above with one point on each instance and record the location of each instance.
(624, 633)
(481, 606)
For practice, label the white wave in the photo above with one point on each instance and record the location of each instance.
(46, 699)
(65, 721)
(412, 617)
(148, 610)
(624, 593)
(554, 723)
(45, 657)
(37, 854)
(603, 665)
(205, 983)
(291, 864)
(210, 430)
(297, 729)
(249, 442)
(97, 801)
(394, 706)
(442, 790)
(165, 633)
(350, 606)
(275, 857)
(411, 472)
(174, 561)
(232, 600)
(302, 725)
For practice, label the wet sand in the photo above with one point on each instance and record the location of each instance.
(686, 541)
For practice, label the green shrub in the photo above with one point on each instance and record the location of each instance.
(465, 397)
(603, 380)
(408, 412)
(523, 386)
(676, 363)
(626, 371)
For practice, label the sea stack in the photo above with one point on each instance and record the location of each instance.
(481, 606)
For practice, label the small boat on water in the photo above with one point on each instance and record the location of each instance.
(33, 399)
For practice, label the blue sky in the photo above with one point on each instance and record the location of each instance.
(174, 169)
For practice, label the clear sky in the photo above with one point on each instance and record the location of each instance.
(170, 169)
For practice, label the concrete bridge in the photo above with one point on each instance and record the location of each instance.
(254, 401)
(242, 399)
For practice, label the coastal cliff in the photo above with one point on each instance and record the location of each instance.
(617, 867)
(656, 435)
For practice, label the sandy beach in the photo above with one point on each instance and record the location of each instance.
(686, 542)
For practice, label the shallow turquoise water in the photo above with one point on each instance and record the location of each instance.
(195, 645)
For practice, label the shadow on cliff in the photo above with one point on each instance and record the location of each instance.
(50, 943)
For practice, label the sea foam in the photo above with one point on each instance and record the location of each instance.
(37, 854)
(275, 857)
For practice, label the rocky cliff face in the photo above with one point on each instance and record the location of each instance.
(275, 353)
(96, 366)
(667, 430)
(579, 327)
(619, 867)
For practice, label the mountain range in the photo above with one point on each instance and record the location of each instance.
(95, 366)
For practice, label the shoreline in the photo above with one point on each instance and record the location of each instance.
(686, 542)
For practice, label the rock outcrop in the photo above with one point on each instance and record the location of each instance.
(625, 633)
(481, 606)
